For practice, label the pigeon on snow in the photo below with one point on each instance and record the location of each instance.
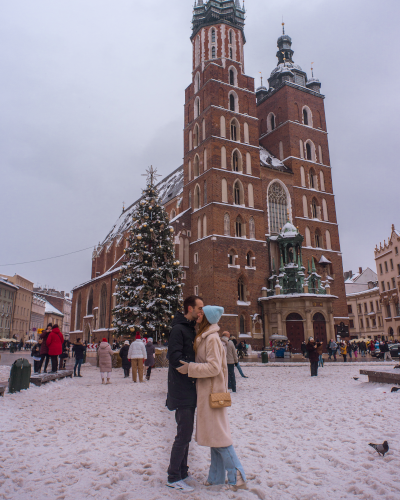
(395, 389)
(380, 448)
(356, 378)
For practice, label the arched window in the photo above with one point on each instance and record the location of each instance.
(197, 83)
(278, 207)
(231, 77)
(213, 53)
(173, 214)
(190, 170)
(325, 209)
(305, 116)
(224, 187)
(230, 37)
(232, 102)
(235, 130)
(213, 35)
(320, 154)
(103, 306)
(308, 237)
(252, 229)
(223, 157)
(242, 324)
(251, 195)
(238, 193)
(196, 166)
(204, 129)
(318, 239)
(271, 122)
(312, 178)
(248, 163)
(328, 240)
(197, 107)
(301, 149)
(196, 136)
(302, 177)
(322, 180)
(89, 309)
(308, 151)
(230, 53)
(190, 140)
(314, 209)
(205, 192)
(222, 127)
(239, 227)
(246, 133)
(204, 226)
(197, 197)
(199, 228)
(250, 259)
(205, 160)
(305, 207)
(241, 290)
(78, 313)
(227, 225)
(190, 199)
(236, 161)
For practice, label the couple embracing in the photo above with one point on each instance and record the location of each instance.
(198, 368)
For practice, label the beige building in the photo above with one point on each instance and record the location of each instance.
(387, 258)
(63, 304)
(23, 306)
(365, 314)
(8, 293)
(37, 316)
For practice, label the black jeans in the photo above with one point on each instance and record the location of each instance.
(126, 371)
(178, 468)
(36, 366)
(148, 373)
(54, 363)
(43, 357)
(314, 368)
(231, 377)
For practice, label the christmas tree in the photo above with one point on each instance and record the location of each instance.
(149, 288)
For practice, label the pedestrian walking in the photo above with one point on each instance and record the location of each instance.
(44, 350)
(35, 353)
(54, 342)
(386, 351)
(303, 348)
(343, 351)
(181, 396)
(212, 424)
(363, 348)
(231, 359)
(320, 358)
(355, 349)
(150, 360)
(333, 347)
(313, 356)
(64, 355)
(79, 350)
(126, 363)
(371, 347)
(104, 354)
(137, 354)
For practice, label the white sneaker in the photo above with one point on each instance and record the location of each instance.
(181, 486)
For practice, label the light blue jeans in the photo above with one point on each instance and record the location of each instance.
(224, 460)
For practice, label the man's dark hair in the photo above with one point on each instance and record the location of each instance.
(50, 325)
(78, 340)
(55, 326)
(190, 301)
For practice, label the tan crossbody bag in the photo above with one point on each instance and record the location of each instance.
(219, 399)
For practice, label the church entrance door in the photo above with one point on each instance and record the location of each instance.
(319, 326)
(295, 331)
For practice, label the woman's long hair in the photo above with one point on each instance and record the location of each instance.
(202, 328)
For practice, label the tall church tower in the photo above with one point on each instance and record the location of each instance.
(293, 127)
(222, 185)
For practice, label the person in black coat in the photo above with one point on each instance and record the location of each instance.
(123, 354)
(79, 350)
(182, 396)
(313, 355)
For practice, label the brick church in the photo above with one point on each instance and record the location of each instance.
(252, 206)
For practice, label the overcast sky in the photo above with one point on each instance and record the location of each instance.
(92, 93)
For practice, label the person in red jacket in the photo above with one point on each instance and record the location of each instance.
(54, 343)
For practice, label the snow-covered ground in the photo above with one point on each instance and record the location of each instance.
(299, 437)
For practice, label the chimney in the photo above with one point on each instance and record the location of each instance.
(360, 270)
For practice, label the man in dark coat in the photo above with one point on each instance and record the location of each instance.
(313, 355)
(182, 395)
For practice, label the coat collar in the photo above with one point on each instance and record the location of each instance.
(210, 330)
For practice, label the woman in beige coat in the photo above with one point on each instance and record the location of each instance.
(104, 353)
(212, 424)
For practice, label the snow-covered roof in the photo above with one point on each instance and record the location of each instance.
(284, 67)
(288, 230)
(324, 260)
(364, 292)
(50, 309)
(268, 160)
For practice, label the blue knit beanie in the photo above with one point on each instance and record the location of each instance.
(213, 313)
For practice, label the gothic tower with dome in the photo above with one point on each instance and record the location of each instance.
(252, 206)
